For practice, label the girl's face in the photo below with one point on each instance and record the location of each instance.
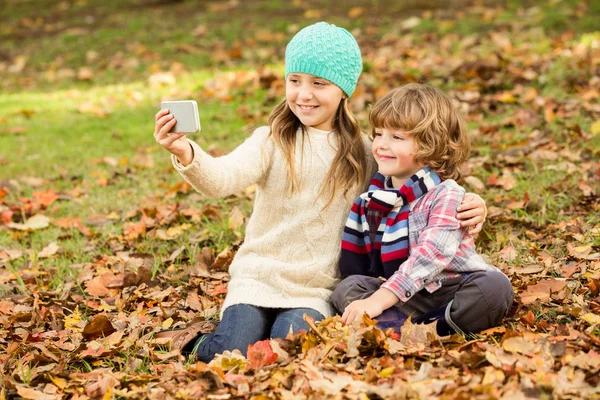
(313, 100)
(394, 152)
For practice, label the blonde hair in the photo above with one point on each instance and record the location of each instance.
(427, 114)
(349, 165)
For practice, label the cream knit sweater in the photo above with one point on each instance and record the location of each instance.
(289, 258)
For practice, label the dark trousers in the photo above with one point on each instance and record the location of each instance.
(475, 301)
(243, 324)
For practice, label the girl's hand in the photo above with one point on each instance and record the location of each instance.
(357, 308)
(472, 211)
(176, 143)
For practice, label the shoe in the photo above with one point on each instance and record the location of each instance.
(391, 318)
(177, 339)
(445, 326)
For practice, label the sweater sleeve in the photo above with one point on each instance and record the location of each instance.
(437, 245)
(226, 175)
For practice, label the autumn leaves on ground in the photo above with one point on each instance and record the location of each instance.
(102, 245)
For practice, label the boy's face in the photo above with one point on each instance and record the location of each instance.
(394, 152)
(313, 100)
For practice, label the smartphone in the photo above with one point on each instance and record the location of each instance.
(186, 114)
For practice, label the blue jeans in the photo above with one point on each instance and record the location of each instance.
(243, 324)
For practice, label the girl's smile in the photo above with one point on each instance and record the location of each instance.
(313, 100)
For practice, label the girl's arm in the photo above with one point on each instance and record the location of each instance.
(229, 174)
(472, 213)
(214, 177)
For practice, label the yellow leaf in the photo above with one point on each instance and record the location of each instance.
(60, 382)
(355, 12)
(592, 319)
(595, 128)
(73, 321)
(312, 14)
(167, 323)
(507, 98)
(386, 372)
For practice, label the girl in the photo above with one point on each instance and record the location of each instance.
(309, 163)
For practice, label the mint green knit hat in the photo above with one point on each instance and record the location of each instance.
(326, 51)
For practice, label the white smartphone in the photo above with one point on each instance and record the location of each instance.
(186, 114)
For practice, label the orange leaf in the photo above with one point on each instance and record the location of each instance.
(261, 354)
(45, 198)
(134, 230)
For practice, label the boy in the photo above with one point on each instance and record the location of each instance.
(404, 228)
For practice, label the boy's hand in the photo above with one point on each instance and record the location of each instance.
(176, 143)
(357, 308)
(472, 212)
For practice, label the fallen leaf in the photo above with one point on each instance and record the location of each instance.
(236, 219)
(542, 290)
(418, 334)
(49, 250)
(582, 252)
(355, 12)
(475, 183)
(261, 354)
(36, 222)
(99, 326)
(508, 253)
(32, 394)
(595, 128)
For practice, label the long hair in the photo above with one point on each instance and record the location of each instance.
(427, 114)
(348, 169)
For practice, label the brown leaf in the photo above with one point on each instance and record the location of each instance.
(542, 290)
(418, 334)
(98, 327)
(17, 130)
(98, 285)
(223, 260)
(85, 74)
(508, 253)
(236, 219)
(31, 394)
(582, 252)
(92, 109)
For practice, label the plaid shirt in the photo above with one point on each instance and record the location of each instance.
(439, 248)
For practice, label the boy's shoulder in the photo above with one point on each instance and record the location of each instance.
(447, 189)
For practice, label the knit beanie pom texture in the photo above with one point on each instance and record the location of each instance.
(326, 51)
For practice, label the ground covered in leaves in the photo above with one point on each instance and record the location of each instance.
(101, 249)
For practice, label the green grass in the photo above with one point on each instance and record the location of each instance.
(66, 147)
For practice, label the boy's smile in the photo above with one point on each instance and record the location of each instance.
(394, 151)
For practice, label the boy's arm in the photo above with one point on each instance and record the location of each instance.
(222, 176)
(437, 245)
